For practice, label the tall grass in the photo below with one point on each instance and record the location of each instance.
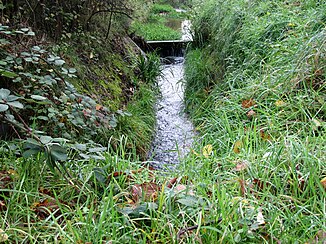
(269, 154)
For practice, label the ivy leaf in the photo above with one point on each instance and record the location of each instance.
(100, 175)
(38, 97)
(16, 104)
(59, 62)
(4, 93)
(3, 107)
(28, 153)
(58, 153)
(12, 98)
(189, 201)
(45, 139)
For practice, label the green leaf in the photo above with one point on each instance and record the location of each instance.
(97, 149)
(188, 201)
(45, 139)
(59, 62)
(43, 118)
(8, 74)
(38, 97)
(3, 107)
(72, 70)
(31, 143)
(16, 104)
(4, 93)
(58, 153)
(24, 29)
(4, 41)
(81, 147)
(31, 152)
(100, 175)
(12, 98)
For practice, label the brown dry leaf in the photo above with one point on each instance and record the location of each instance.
(251, 113)
(98, 107)
(44, 208)
(248, 103)
(243, 186)
(171, 182)
(147, 191)
(323, 182)
(264, 135)
(183, 188)
(242, 165)
(3, 206)
(237, 146)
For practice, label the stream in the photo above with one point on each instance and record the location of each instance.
(174, 131)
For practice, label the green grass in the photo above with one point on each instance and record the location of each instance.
(155, 28)
(251, 178)
(270, 52)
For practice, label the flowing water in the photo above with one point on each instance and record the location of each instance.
(174, 132)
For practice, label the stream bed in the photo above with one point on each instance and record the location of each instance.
(174, 131)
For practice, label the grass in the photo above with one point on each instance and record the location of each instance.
(256, 97)
(155, 26)
(256, 93)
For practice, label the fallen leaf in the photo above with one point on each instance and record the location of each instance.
(98, 107)
(251, 113)
(171, 182)
(3, 236)
(248, 103)
(264, 135)
(242, 165)
(3, 206)
(323, 182)
(316, 122)
(194, 152)
(279, 103)
(45, 208)
(243, 186)
(260, 218)
(147, 191)
(237, 146)
(207, 150)
(183, 188)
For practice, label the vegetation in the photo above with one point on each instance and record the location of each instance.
(256, 92)
(155, 26)
(82, 109)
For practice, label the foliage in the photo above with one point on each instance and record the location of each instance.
(162, 9)
(64, 18)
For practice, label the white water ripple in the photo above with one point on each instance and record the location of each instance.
(174, 132)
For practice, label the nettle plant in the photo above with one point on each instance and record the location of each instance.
(38, 102)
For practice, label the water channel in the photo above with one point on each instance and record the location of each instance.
(174, 131)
